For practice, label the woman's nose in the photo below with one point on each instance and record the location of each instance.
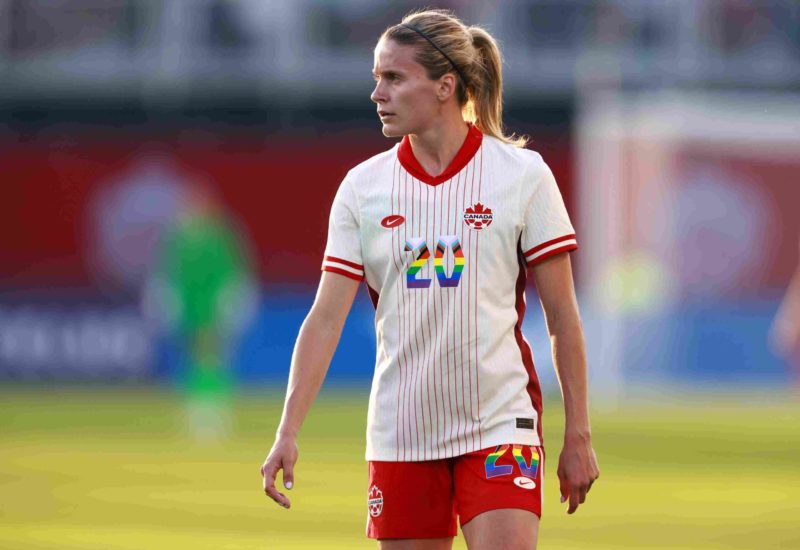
(377, 94)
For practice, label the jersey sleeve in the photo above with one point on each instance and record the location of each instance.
(547, 230)
(343, 251)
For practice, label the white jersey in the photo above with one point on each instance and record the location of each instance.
(445, 261)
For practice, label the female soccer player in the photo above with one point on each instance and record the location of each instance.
(443, 228)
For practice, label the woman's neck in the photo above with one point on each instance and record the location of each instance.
(436, 147)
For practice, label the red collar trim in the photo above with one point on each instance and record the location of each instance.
(468, 149)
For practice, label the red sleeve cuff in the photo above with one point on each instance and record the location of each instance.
(551, 253)
(343, 267)
(550, 248)
(347, 274)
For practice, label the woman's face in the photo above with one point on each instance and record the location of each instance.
(406, 97)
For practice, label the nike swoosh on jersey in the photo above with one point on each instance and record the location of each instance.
(392, 221)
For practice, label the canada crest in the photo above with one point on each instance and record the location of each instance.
(375, 501)
(478, 216)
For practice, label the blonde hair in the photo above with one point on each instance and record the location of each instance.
(471, 54)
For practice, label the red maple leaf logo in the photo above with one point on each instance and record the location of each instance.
(478, 216)
(478, 208)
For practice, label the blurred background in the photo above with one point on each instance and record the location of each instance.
(166, 171)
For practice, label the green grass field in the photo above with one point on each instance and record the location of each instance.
(109, 469)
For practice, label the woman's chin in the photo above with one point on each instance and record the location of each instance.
(391, 130)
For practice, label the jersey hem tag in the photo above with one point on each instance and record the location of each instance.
(525, 423)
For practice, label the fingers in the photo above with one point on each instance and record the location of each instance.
(269, 471)
(577, 497)
(563, 484)
(278, 497)
(577, 492)
(577, 472)
(573, 502)
(288, 475)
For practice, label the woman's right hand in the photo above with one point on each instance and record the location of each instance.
(312, 354)
(283, 455)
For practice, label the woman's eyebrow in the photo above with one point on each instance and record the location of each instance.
(385, 73)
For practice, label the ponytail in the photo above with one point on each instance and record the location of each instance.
(486, 92)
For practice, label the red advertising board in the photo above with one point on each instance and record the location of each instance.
(63, 196)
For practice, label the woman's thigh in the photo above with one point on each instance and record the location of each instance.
(507, 528)
(416, 544)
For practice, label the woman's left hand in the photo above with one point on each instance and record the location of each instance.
(577, 470)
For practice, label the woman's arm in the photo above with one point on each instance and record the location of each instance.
(785, 332)
(313, 350)
(577, 465)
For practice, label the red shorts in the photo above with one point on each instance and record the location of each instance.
(415, 500)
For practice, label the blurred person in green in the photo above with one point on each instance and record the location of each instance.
(203, 291)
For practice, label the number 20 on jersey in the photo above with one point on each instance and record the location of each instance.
(419, 248)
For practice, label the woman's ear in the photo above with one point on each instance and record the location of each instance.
(447, 86)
